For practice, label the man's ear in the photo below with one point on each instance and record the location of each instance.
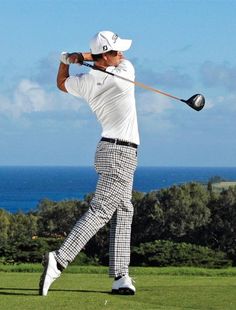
(104, 57)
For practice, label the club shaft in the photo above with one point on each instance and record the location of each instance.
(134, 82)
(154, 90)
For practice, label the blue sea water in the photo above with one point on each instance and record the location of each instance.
(22, 188)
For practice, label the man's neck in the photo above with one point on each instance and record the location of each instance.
(100, 65)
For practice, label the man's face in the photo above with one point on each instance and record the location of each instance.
(113, 58)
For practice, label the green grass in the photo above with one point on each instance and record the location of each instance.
(157, 288)
(173, 271)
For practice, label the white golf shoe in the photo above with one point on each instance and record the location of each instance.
(50, 273)
(123, 286)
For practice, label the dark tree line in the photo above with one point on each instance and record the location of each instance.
(188, 224)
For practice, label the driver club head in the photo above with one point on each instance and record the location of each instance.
(196, 102)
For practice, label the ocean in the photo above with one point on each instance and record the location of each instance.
(22, 188)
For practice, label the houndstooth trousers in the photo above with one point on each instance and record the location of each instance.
(115, 165)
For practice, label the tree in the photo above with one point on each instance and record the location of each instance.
(185, 209)
(172, 213)
(187, 213)
(220, 234)
(58, 218)
(22, 226)
(4, 224)
(148, 221)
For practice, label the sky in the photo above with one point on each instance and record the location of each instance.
(182, 47)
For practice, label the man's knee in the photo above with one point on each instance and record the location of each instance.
(101, 210)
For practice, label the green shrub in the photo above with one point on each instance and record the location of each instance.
(82, 260)
(166, 253)
(27, 250)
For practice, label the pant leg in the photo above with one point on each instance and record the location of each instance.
(110, 163)
(120, 235)
(120, 229)
(103, 205)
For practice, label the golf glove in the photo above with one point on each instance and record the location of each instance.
(65, 58)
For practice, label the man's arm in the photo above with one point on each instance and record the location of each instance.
(63, 71)
(62, 75)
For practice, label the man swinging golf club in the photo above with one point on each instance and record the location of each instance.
(112, 100)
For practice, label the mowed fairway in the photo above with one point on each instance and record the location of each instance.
(19, 290)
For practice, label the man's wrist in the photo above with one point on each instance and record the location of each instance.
(87, 56)
(80, 58)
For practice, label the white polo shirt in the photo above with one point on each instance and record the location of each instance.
(111, 99)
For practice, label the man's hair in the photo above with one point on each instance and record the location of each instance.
(96, 57)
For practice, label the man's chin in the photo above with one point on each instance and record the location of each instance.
(117, 64)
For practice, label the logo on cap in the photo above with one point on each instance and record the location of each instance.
(105, 48)
(114, 38)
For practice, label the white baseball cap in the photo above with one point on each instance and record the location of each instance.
(106, 41)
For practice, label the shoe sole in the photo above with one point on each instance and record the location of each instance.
(45, 262)
(123, 291)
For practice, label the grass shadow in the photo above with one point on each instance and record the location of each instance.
(14, 291)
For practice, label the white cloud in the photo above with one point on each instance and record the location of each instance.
(151, 103)
(154, 112)
(226, 102)
(209, 103)
(30, 97)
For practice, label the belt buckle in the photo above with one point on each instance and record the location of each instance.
(115, 142)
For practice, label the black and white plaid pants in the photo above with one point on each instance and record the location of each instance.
(115, 165)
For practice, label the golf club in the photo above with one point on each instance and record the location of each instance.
(196, 102)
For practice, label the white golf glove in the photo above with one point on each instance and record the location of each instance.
(73, 58)
(64, 58)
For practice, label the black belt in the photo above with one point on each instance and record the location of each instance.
(120, 142)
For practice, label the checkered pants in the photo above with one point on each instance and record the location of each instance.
(115, 165)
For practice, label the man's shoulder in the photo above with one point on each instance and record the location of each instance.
(126, 66)
(127, 63)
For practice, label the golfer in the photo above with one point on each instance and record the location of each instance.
(112, 100)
